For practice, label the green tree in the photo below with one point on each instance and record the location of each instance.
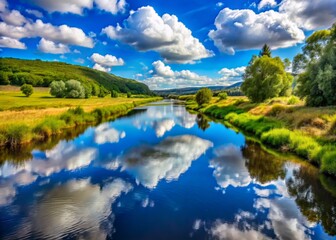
(27, 89)
(4, 78)
(114, 94)
(74, 89)
(129, 94)
(203, 96)
(318, 83)
(266, 78)
(58, 89)
(265, 51)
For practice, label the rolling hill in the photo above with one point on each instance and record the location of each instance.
(41, 73)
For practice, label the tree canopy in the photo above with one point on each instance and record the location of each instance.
(27, 89)
(265, 51)
(265, 78)
(203, 96)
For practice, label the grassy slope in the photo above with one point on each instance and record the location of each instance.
(308, 132)
(20, 113)
(63, 71)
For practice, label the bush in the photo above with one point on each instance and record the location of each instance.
(17, 134)
(328, 163)
(58, 89)
(222, 96)
(114, 94)
(203, 96)
(27, 89)
(4, 78)
(129, 95)
(293, 100)
(74, 89)
(276, 137)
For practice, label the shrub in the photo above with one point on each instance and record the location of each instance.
(114, 94)
(74, 89)
(27, 89)
(4, 78)
(222, 96)
(276, 137)
(49, 126)
(58, 89)
(129, 94)
(17, 134)
(203, 96)
(293, 100)
(328, 163)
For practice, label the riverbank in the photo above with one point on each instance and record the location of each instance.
(23, 120)
(284, 124)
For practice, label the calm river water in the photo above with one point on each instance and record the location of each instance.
(161, 173)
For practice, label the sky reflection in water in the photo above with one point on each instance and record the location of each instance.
(162, 173)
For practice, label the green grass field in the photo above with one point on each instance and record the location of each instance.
(16, 108)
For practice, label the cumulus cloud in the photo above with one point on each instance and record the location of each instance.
(112, 6)
(7, 42)
(51, 47)
(145, 30)
(163, 77)
(13, 17)
(104, 63)
(64, 6)
(78, 6)
(166, 160)
(266, 3)
(310, 15)
(244, 29)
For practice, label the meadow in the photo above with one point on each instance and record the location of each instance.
(23, 119)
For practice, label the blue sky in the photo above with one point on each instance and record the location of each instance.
(165, 44)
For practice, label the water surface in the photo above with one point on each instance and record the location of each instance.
(161, 173)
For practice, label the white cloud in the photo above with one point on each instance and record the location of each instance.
(7, 42)
(112, 6)
(3, 5)
(308, 14)
(36, 13)
(78, 6)
(163, 77)
(244, 29)
(220, 4)
(266, 3)
(64, 6)
(104, 63)
(146, 30)
(51, 47)
(13, 17)
(58, 34)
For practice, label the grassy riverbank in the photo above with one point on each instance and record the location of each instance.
(40, 116)
(284, 124)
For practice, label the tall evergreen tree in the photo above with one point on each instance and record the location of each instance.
(265, 51)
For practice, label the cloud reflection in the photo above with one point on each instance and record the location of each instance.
(230, 169)
(166, 160)
(106, 134)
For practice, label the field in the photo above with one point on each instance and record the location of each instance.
(24, 119)
(16, 108)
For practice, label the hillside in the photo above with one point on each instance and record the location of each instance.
(41, 74)
(193, 90)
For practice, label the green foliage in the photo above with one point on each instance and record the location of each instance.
(103, 92)
(318, 82)
(203, 96)
(74, 89)
(41, 73)
(27, 89)
(58, 89)
(16, 134)
(129, 94)
(265, 51)
(222, 96)
(293, 100)
(328, 163)
(266, 78)
(114, 94)
(4, 80)
(49, 126)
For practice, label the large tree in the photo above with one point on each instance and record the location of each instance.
(265, 78)
(265, 51)
(318, 82)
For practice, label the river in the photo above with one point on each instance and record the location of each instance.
(161, 173)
